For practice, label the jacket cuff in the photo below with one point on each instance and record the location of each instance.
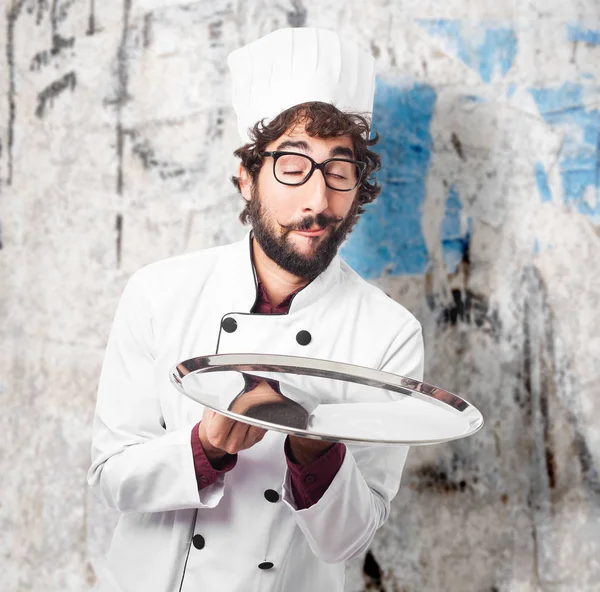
(309, 482)
(206, 474)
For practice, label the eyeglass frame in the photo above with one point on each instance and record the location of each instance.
(276, 154)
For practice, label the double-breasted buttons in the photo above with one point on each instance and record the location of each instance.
(198, 541)
(271, 496)
(303, 337)
(266, 565)
(229, 324)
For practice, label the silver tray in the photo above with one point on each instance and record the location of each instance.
(325, 400)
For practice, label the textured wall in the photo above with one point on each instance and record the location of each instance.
(115, 147)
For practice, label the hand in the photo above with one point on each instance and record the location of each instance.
(220, 435)
(306, 451)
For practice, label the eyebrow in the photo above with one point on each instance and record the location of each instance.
(302, 145)
(342, 151)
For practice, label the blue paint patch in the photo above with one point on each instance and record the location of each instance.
(579, 161)
(494, 50)
(538, 248)
(455, 232)
(542, 182)
(577, 33)
(388, 237)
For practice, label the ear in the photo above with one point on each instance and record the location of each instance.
(245, 183)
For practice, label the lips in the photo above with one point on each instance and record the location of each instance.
(315, 232)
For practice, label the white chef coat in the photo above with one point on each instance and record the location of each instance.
(142, 462)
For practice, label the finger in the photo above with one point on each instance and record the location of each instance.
(244, 436)
(256, 434)
(219, 430)
(238, 437)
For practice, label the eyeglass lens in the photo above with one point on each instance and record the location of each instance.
(293, 169)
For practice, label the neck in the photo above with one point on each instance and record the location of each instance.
(277, 281)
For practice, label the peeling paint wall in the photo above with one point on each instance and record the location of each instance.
(116, 141)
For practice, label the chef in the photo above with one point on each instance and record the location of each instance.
(207, 503)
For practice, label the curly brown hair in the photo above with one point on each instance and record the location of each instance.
(321, 120)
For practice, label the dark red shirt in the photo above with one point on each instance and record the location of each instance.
(308, 482)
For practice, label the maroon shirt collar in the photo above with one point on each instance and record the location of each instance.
(263, 303)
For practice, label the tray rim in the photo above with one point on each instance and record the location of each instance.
(317, 367)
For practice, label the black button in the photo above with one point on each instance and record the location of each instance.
(303, 338)
(310, 478)
(198, 541)
(271, 496)
(229, 324)
(265, 565)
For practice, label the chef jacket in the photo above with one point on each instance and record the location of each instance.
(229, 536)
(306, 492)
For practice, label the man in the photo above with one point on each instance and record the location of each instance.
(212, 504)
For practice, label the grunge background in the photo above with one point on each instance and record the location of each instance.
(116, 141)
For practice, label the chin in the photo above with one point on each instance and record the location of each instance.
(306, 246)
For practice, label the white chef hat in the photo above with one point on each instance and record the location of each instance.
(293, 66)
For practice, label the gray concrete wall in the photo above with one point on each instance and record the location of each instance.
(116, 136)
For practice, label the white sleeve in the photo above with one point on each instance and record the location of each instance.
(137, 466)
(342, 524)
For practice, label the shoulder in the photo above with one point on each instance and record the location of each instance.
(188, 267)
(393, 333)
(173, 281)
(376, 302)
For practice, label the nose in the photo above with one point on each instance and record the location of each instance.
(316, 198)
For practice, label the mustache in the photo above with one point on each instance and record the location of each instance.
(320, 220)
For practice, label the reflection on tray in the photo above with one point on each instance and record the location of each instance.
(262, 399)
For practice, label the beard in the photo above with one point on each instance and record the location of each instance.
(282, 251)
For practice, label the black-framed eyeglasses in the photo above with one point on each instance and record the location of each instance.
(294, 168)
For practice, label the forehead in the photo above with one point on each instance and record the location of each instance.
(298, 133)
